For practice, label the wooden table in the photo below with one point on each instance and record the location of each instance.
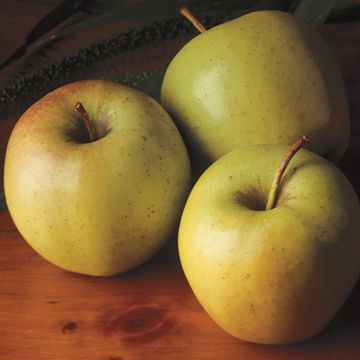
(148, 313)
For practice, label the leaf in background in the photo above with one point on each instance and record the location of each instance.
(62, 12)
(2, 203)
(313, 12)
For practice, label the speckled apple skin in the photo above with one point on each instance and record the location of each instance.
(98, 208)
(277, 276)
(264, 78)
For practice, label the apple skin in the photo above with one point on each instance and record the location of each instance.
(98, 208)
(263, 78)
(271, 276)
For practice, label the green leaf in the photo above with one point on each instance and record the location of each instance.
(2, 203)
(53, 18)
(313, 12)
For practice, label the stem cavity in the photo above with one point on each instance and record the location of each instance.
(191, 17)
(87, 122)
(295, 147)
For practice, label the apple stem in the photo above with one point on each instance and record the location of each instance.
(191, 17)
(295, 147)
(88, 123)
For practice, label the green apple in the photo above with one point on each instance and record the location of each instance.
(278, 274)
(100, 206)
(260, 79)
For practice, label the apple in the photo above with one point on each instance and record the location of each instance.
(262, 78)
(271, 266)
(96, 188)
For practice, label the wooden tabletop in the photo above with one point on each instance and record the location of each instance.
(150, 312)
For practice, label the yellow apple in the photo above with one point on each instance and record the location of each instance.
(273, 276)
(263, 78)
(100, 206)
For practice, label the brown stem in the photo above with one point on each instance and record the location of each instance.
(88, 123)
(191, 17)
(295, 147)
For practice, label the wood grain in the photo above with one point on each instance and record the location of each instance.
(47, 313)
(148, 313)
